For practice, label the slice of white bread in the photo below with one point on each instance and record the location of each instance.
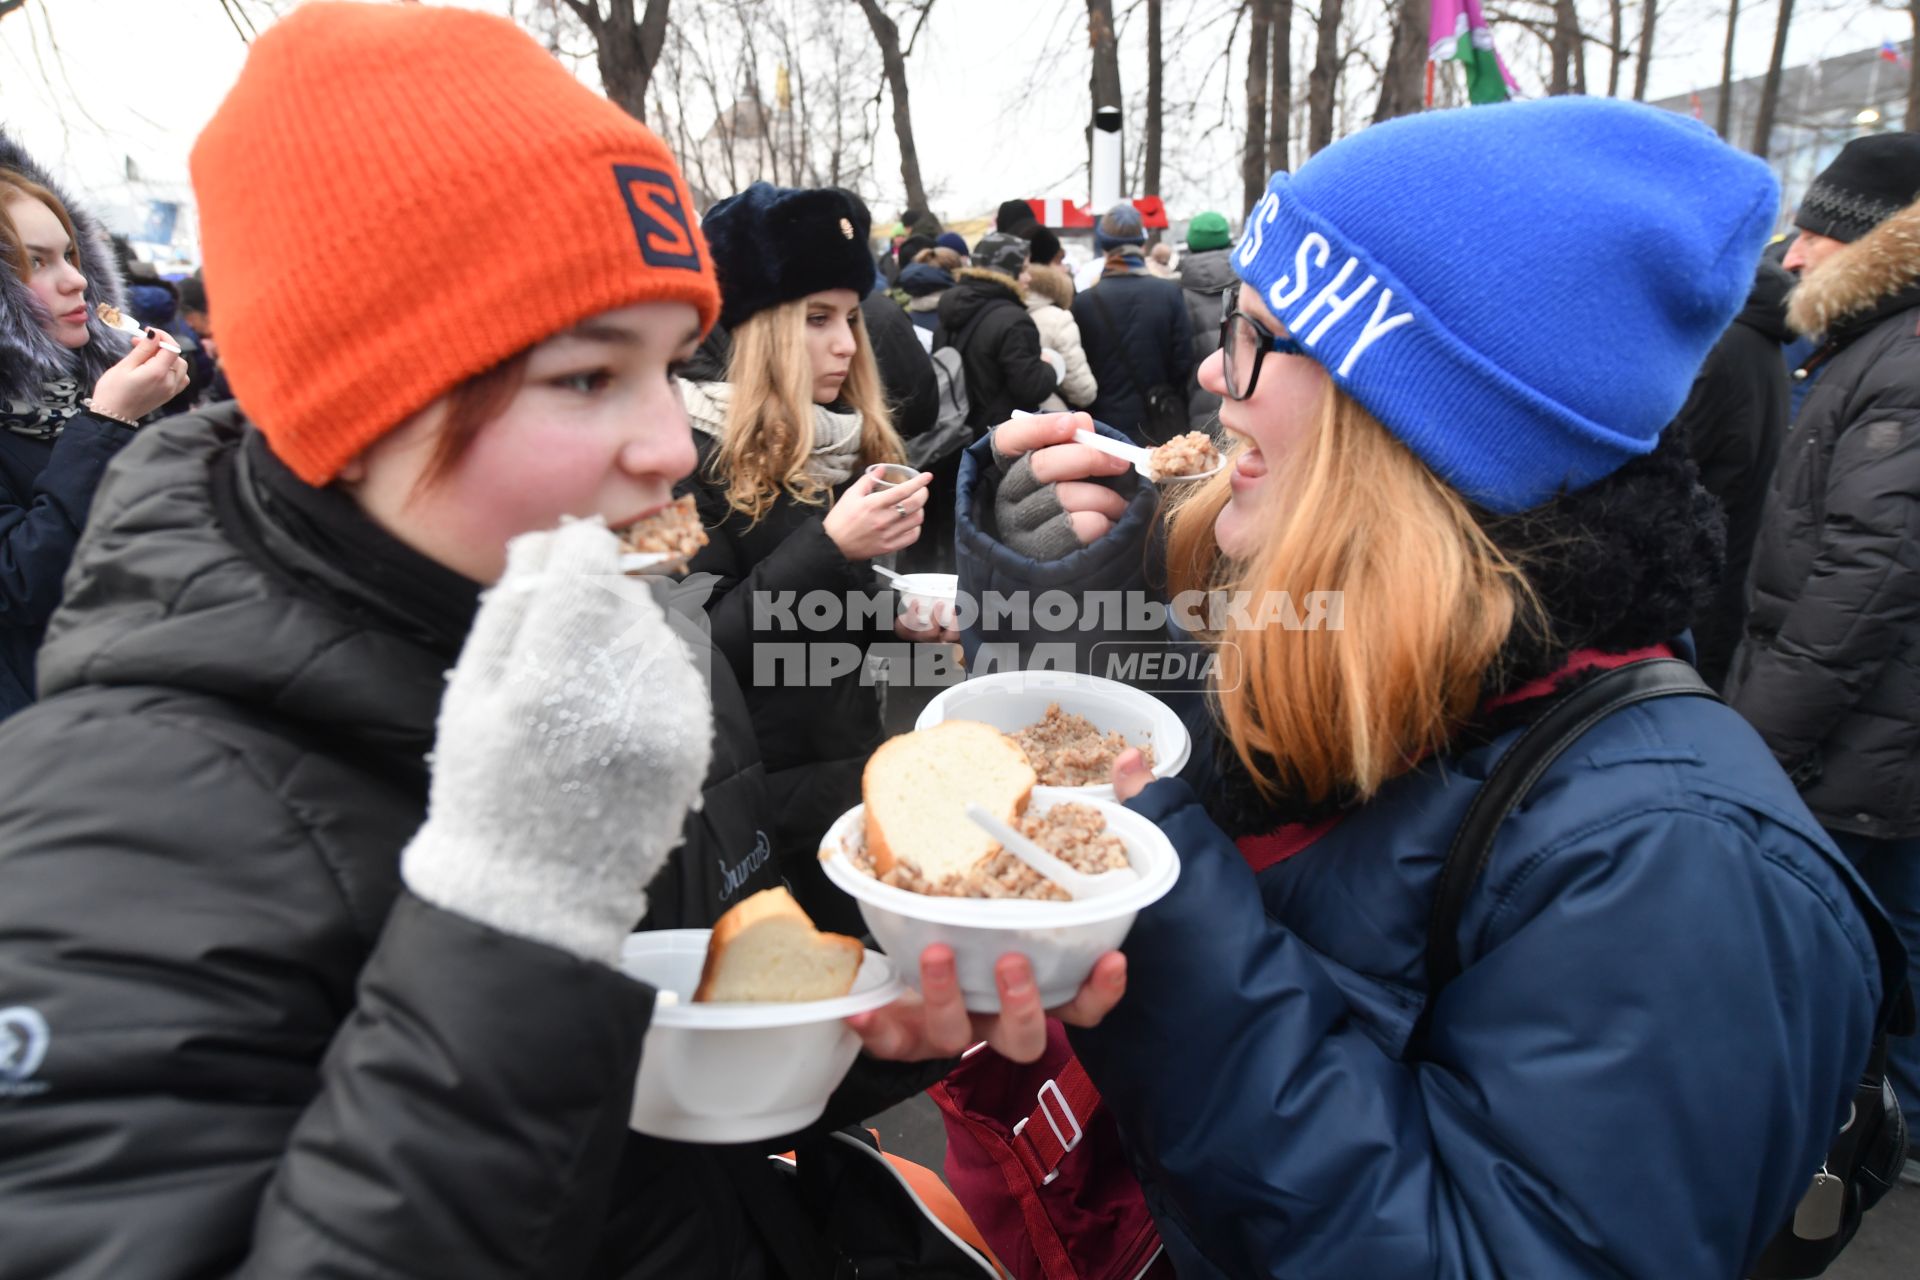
(766, 949)
(917, 787)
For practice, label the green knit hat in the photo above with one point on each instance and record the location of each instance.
(1208, 231)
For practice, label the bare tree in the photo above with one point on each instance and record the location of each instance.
(1253, 156)
(626, 47)
(1723, 110)
(1156, 73)
(1105, 83)
(1324, 80)
(1400, 82)
(886, 33)
(1616, 32)
(820, 124)
(1280, 97)
(1567, 75)
(1649, 15)
(1770, 88)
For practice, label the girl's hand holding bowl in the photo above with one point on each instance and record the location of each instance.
(934, 1022)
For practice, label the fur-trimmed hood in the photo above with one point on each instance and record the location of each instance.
(990, 276)
(28, 354)
(1877, 267)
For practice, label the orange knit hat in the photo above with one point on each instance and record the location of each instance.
(394, 198)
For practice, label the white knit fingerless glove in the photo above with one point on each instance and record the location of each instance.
(574, 735)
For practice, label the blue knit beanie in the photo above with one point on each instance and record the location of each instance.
(1520, 293)
(1117, 227)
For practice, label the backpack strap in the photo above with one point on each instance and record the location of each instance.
(1061, 1106)
(1518, 769)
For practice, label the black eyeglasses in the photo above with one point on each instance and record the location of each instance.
(1244, 343)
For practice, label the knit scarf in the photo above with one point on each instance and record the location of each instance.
(45, 418)
(836, 435)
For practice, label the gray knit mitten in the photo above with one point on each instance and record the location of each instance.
(1027, 512)
(574, 735)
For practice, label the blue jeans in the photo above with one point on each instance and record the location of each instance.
(1891, 869)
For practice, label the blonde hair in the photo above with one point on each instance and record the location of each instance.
(1427, 602)
(768, 437)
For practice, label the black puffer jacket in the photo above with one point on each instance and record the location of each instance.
(817, 719)
(261, 1054)
(983, 316)
(1830, 669)
(1733, 422)
(905, 370)
(1138, 337)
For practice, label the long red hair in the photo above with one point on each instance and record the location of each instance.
(1426, 603)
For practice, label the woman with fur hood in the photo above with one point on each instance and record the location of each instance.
(1050, 303)
(72, 393)
(1634, 1037)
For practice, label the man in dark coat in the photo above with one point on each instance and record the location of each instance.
(1830, 668)
(905, 370)
(1138, 336)
(1733, 421)
(985, 318)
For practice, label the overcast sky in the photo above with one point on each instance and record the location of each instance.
(999, 89)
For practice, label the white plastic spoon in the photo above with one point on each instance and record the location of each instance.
(641, 561)
(885, 572)
(1142, 459)
(1078, 884)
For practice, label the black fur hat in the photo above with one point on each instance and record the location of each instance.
(774, 244)
(29, 356)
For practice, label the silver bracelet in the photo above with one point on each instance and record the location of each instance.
(102, 413)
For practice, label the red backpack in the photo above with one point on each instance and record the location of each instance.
(1036, 1159)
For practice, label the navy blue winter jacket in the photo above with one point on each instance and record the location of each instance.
(46, 488)
(1138, 336)
(1670, 989)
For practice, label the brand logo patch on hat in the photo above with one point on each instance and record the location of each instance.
(659, 219)
(846, 228)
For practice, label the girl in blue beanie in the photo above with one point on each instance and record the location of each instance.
(1445, 374)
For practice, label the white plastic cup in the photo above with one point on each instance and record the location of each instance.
(885, 475)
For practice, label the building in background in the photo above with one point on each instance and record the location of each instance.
(1822, 105)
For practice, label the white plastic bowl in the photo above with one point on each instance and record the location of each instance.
(1012, 700)
(1061, 939)
(739, 1072)
(928, 596)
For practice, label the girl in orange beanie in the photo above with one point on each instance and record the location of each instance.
(290, 983)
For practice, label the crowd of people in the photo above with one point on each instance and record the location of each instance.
(338, 774)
